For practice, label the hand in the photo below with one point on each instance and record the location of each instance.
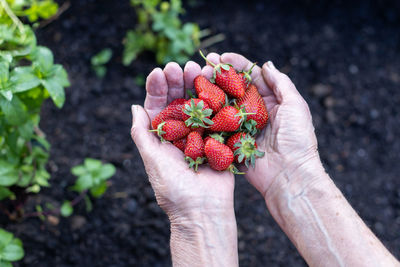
(288, 140)
(179, 191)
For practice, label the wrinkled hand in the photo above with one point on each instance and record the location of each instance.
(179, 190)
(288, 140)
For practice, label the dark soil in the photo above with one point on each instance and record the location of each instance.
(344, 58)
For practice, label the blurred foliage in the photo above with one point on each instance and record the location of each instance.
(160, 30)
(28, 76)
(10, 249)
(99, 61)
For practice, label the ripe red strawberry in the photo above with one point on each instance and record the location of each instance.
(172, 112)
(252, 102)
(227, 79)
(210, 93)
(200, 130)
(219, 156)
(171, 130)
(244, 147)
(180, 143)
(194, 150)
(228, 119)
(195, 113)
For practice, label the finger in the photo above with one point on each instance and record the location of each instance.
(143, 139)
(157, 92)
(281, 85)
(191, 71)
(207, 71)
(240, 63)
(174, 75)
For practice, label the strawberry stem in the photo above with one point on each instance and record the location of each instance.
(232, 168)
(209, 62)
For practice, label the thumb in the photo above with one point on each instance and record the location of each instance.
(143, 139)
(281, 85)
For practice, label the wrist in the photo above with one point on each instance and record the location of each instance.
(204, 238)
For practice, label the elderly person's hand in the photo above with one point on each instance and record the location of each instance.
(199, 204)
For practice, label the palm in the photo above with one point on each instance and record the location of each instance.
(176, 185)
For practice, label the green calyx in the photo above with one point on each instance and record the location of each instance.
(218, 137)
(249, 126)
(232, 168)
(195, 163)
(247, 150)
(246, 74)
(243, 115)
(217, 68)
(159, 131)
(198, 116)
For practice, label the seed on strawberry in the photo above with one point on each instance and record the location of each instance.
(219, 156)
(194, 150)
(210, 93)
(227, 79)
(244, 147)
(171, 130)
(252, 102)
(228, 119)
(196, 113)
(172, 112)
(180, 143)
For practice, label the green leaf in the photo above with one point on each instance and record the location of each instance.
(44, 57)
(83, 182)
(5, 238)
(13, 251)
(5, 263)
(102, 57)
(100, 71)
(7, 94)
(98, 190)
(5, 193)
(89, 205)
(8, 174)
(79, 170)
(106, 171)
(4, 72)
(66, 209)
(13, 110)
(55, 90)
(92, 164)
(23, 79)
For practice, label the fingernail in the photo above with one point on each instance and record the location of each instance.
(271, 65)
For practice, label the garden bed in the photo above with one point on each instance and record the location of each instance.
(345, 61)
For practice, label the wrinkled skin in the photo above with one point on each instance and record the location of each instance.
(288, 139)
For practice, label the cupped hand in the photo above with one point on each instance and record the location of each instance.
(179, 191)
(288, 140)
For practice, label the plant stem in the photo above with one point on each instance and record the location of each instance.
(12, 16)
(56, 211)
(212, 40)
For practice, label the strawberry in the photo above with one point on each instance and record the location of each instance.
(194, 150)
(246, 75)
(195, 113)
(244, 147)
(210, 93)
(227, 79)
(219, 155)
(252, 102)
(171, 130)
(228, 119)
(200, 130)
(172, 112)
(180, 143)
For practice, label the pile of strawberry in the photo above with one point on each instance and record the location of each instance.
(227, 108)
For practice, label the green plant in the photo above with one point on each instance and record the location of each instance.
(161, 31)
(28, 76)
(10, 249)
(99, 61)
(92, 177)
